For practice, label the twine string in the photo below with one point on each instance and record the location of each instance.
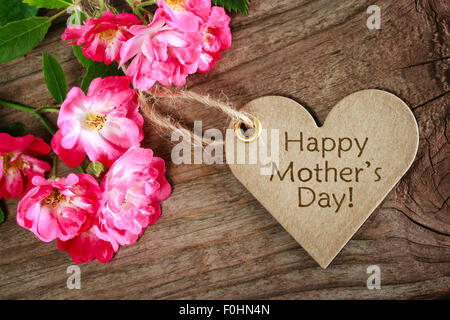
(207, 101)
(165, 121)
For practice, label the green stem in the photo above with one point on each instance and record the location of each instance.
(147, 3)
(135, 9)
(45, 123)
(63, 11)
(55, 165)
(29, 110)
(2, 214)
(47, 109)
(138, 13)
(17, 106)
(58, 14)
(149, 14)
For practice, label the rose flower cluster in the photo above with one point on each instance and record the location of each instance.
(184, 37)
(91, 219)
(88, 219)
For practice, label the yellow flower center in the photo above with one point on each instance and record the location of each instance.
(53, 199)
(7, 164)
(107, 35)
(176, 5)
(95, 121)
(207, 35)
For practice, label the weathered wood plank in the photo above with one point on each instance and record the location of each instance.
(213, 239)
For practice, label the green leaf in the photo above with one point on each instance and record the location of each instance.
(95, 169)
(54, 77)
(234, 5)
(50, 4)
(2, 215)
(14, 129)
(85, 62)
(19, 37)
(98, 69)
(77, 17)
(13, 10)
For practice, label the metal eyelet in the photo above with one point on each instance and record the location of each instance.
(255, 131)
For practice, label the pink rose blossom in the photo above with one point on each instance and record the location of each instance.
(102, 124)
(216, 37)
(18, 165)
(160, 53)
(187, 15)
(86, 247)
(131, 191)
(59, 208)
(103, 37)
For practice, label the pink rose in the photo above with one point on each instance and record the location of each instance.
(86, 247)
(18, 165)
(216, 37)
(103, 37)
(160, 53)
(131, 191)
(102, 124)
(59, 208)
(187, 15)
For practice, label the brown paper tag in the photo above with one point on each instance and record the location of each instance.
(328, 179)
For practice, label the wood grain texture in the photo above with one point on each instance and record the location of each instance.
(214, 240)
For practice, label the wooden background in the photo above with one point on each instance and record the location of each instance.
(214, 240)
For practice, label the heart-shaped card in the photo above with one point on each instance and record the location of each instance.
(325, 181)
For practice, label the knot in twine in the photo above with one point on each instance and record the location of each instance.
(165, 121)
